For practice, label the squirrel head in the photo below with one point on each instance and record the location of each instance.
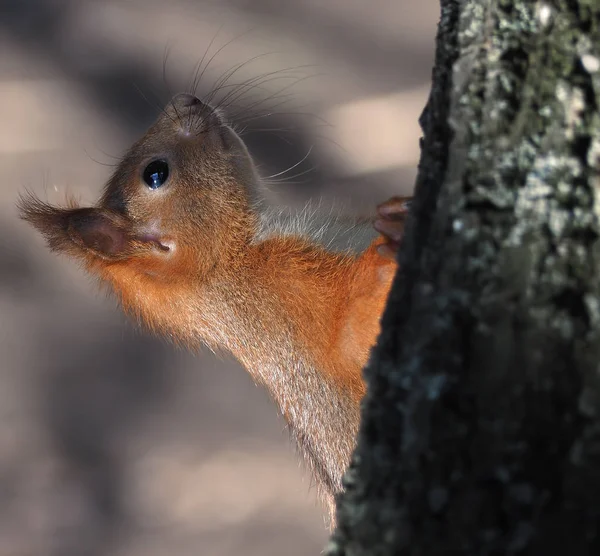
(181, 195)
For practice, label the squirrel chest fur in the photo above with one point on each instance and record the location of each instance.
(183, 237)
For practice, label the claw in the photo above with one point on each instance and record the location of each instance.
(390, 224)
(396, 207)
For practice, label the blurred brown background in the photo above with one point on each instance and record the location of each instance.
(112, 442)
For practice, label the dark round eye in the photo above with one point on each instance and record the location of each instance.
(156, 174)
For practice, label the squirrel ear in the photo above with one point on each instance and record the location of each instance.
(72, 230)
(104, 233)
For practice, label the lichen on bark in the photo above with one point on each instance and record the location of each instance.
(481, 426)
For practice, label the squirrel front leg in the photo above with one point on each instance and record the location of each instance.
(369, 290)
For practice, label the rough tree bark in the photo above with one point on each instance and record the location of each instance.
(481, 427)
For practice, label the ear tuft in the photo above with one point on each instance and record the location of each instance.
(51, 222)
(77, 230)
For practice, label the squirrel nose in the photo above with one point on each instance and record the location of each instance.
(185, 100)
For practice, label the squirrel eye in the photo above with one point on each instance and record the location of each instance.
(156, 174)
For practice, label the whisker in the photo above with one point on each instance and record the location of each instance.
(258, 103)
(252, 116)
(235, 95)
(109, 165)
(220, 83)
(279, 74)
(232, 121)
(292, 167)
(322, 121)
(166, 55)
(195, 77)
(152, 104)
(199, 77)
(290, 178)
(274, 132)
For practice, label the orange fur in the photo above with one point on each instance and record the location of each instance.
(367, 295)
(334, 300)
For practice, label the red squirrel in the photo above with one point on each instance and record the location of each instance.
(184, 236)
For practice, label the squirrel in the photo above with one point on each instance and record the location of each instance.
(185, 238)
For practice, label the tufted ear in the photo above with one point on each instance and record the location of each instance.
(102, 232)
(76, 231)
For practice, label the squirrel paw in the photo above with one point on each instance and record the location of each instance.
(391, 216)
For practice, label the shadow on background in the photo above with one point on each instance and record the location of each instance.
(93, 394)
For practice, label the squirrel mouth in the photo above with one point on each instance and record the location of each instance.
(160, 243)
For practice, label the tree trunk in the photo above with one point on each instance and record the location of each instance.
(481, 427)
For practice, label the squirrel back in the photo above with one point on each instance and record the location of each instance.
(184, 237)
